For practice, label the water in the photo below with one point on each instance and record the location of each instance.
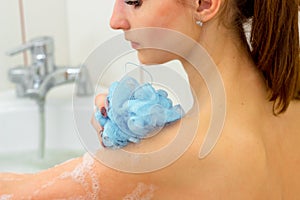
(42, 129)
(29, 162)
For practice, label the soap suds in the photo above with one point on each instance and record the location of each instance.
(6, 197)
(141, 192)
(81, 174)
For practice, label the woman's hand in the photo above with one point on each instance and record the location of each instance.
(100, 102)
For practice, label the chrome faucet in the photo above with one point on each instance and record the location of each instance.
(36, 80)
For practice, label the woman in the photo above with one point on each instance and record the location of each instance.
(257, 155)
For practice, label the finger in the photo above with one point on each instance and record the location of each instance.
(101, 101)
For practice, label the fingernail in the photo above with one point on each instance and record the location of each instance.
(103, 112)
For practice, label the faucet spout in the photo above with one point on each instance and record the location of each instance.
(37, 79)
(63, 75)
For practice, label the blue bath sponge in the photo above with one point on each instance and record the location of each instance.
(134, 112)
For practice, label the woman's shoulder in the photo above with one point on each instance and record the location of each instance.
(237, 165)
(231, 171)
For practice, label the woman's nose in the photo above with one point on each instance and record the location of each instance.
(119, 19)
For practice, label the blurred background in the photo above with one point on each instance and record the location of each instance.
(77, 27)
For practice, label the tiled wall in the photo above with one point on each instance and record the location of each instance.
(77, 27)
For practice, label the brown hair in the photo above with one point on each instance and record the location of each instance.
(274, 44)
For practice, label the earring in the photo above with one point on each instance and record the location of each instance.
(199, 23)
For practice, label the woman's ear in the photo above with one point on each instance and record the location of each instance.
(206, 9)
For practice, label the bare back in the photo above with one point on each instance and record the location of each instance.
(284, 152)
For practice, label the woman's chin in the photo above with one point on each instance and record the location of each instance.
(154, 57)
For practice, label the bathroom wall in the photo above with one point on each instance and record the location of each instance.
(10, 35)
(77, 27)
(88, 26)
(49, 18)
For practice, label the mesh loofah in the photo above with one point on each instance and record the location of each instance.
(134, 112)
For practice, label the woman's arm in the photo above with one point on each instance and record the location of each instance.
(80, 178)
(216, 177)
(67, 180)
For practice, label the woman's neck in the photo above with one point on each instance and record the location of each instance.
(231, 58)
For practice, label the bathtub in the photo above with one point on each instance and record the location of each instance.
(19, 131)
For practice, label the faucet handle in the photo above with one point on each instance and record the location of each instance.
(36, 44)
(19, 49)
